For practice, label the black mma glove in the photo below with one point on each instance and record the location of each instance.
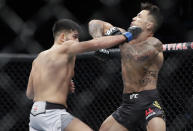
(103, 54)
(113, 31)
(132, 32)
(110, 32)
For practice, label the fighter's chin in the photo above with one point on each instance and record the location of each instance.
(132, 24)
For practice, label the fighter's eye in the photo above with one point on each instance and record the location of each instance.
(139, 15)
(75, 36)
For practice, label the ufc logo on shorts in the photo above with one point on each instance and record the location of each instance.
(134, 96)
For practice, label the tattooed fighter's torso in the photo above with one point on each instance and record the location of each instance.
(141, 63)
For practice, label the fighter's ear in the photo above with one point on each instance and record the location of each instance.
(62, 37)
(149, 25)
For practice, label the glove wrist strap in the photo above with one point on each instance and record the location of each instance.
(128, 36)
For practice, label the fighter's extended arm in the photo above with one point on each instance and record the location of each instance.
(95, 44)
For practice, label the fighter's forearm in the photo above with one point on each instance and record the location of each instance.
(100, 43)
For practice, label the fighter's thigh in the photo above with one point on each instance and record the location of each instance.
(77, 125)
(110, 124)
(156, 124)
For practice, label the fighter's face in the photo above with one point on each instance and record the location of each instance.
(143, 20)
(73, 35)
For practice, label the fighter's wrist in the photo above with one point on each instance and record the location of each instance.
(113, 31)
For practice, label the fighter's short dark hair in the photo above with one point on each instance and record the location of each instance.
(65, 25)
(155, 12)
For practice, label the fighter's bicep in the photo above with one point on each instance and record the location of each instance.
(72, 47)
(81, 47)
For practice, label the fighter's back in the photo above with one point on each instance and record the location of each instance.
(52, 71)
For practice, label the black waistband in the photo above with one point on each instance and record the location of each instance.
(146, 93)
(153, 91)
(50, 105)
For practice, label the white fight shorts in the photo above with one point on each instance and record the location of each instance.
(46, 116)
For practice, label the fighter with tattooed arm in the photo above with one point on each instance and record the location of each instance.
(141, 60)
(50, 79)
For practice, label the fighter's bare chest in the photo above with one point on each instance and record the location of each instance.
(135, 53)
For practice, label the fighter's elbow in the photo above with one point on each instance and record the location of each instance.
(92, 22)
(29, 95)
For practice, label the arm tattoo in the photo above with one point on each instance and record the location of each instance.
(96, 30)
(146, 53)
(140, 52)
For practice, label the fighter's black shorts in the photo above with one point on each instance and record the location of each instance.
(138, 108)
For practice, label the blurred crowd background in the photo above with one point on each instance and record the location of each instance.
(25, 25)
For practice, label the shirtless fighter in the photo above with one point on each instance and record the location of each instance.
(51, 75)
(141, 60)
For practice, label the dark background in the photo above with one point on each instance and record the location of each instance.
(25, 25)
